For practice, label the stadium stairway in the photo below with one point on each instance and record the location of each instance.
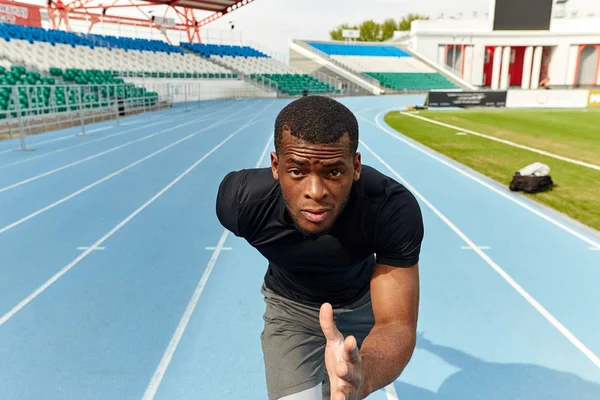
(261, 70)
(393, 69)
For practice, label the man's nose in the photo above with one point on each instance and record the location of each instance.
(315, 189)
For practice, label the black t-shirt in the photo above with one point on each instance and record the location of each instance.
(381, 223)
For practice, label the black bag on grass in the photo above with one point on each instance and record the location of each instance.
(534, 178)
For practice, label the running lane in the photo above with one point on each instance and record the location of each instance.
(481, 338)
(100, 330)
(35, 249)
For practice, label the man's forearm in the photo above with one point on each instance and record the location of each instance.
(385, 352)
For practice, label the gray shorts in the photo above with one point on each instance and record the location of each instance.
(294, 345)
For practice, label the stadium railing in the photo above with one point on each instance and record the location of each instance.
(30, 109)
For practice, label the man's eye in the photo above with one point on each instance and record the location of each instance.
(336, 173)
(295, 172)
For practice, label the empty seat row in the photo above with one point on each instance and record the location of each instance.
(253, 65)
(208, 50)
(359, 50)
(53, 36)
(46, 94)
(294, 84)
(43, 56)
(413, 81)
(383, 64)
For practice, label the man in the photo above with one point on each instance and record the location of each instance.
(343, 243)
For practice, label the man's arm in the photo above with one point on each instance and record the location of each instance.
(387, 349)
(385, 352)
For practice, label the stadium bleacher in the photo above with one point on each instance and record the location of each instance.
(390, 65)
(42, 50)
(45, 56)
(63, 99)
(257, 65)
(53, 60)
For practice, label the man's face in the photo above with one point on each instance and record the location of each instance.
(315, 180)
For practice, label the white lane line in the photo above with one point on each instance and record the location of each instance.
(390, 392)
(463, 172)
(75, 135)
(204, 118)
(185, 319)
(479, 247)
(88, 247)
(34, 178)
(38, 143)
(116, 228)
(99, 129)
(507, 142)
(214, 248)
(116, 173)
(545, 313)
(78, 145)
(47, 173)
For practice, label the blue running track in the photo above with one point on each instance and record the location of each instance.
(118, 282)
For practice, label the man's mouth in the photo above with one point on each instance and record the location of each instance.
(315, 215)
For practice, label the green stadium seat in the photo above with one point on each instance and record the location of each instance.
(412, 80)
(294, 84)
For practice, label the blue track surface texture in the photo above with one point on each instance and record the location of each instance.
(118, 282)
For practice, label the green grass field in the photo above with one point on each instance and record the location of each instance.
(573, 133)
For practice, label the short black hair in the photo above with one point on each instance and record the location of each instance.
(317, 120)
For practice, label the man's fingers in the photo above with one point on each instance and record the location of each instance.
(346, 372)
(351, 352)
(342, 393)
(327, 324)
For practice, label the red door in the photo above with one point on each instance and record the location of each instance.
(488, 65)
(515, 70)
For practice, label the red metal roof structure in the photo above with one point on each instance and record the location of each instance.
(95, 11)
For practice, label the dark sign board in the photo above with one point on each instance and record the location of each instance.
(522, 15)
(466, 99)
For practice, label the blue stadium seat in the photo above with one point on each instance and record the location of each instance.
(133, 44)
(34, 34)
(359, 50)
(208, 50)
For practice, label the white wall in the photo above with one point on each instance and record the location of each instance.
(571, 63)
(478, 63)
(454, 26)
(547, 98)
(561, 69)
(575, 26)
(585, 26)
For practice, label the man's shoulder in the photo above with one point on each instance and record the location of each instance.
(376, 187)
(238, 192)
(248, 185)
(395, 220)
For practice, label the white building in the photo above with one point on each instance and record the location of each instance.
(567, 53)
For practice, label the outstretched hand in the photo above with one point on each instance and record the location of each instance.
(342, 359)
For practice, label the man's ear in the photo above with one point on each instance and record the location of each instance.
(275, 165)
(357, 166)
